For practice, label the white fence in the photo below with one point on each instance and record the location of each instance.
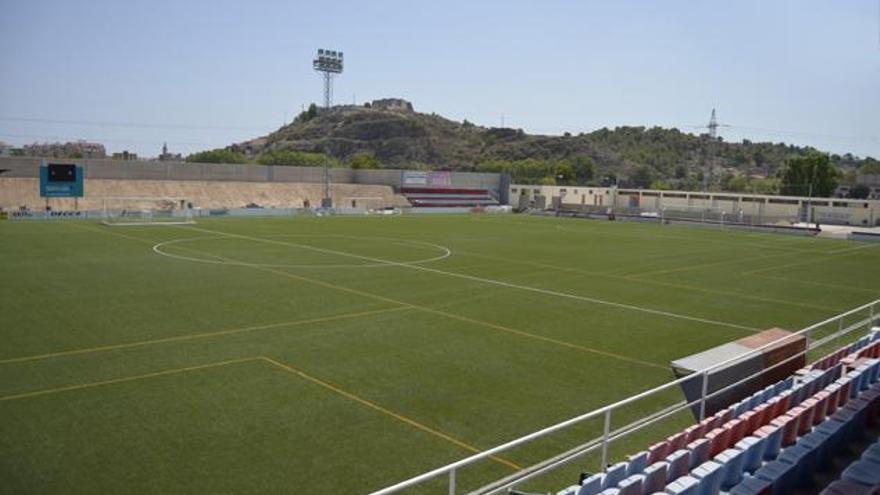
(831, 332)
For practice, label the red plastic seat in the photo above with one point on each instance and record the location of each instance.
(719, 440)
(821, 408)
(789, 424)
(804, 416)
(658, 452)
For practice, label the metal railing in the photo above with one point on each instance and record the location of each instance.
(605, 413)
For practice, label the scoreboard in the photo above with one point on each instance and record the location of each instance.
(61, 180)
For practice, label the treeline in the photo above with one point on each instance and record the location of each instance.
(570, 171)
(285, 158)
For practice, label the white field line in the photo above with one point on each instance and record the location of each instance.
(836, 254)
(489, 281)
(158, 249)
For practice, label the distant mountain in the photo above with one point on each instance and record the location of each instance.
(402, 138)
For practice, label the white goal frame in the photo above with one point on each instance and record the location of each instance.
(179, 212)
(694, 213)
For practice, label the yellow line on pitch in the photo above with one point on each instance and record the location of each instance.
(205, 335)
(454, 316)
(839, 254)
(125, 379)
(387, 412)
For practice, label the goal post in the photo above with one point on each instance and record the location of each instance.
(146, 210)
(362, 203)
(695, 213)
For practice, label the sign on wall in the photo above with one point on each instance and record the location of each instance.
(432, 179)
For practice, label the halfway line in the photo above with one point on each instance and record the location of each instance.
(494, 282)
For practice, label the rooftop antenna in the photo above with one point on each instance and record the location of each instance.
(328, 63)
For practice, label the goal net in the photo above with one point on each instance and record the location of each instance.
(130, 210)
(694, 213)
(361, 204)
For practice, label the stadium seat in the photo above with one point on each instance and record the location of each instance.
(657, 452)
(753, 453)
(844, 487)
(699, 452)
(732, 462)
(614, 475)
(751, 485)
(863, 472)
(780, 474)
(592, 485)
(709, 473)
(773, 443)
(685, 485)
(800, 458)
(655, 477)
(719, 439)
(632, 485)
(679, 464)
(788, 424)
(694, 432)
(637, 463)
(677, 441)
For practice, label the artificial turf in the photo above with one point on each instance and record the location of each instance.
(343, 354)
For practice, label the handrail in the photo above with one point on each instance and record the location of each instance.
(451, 468)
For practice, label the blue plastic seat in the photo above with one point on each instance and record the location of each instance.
(863, 472)
(592, 485)
(801, 458)
(679, 464)
(753, 453)
(709, 473)
(637, 463)
(780, 474)
(772, 442)
(699, 452)
(751, 485)
(614, 475)
(655, 477)
(632, 485)
(872, 453)
(732, 461)
(685, 485)
(817, 442)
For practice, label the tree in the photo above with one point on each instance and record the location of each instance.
(217, 156)
(564, 173)
(309, 114)
(642, 177)
(583, 169)
(859, 191)
(811, 174)
(734, 183)
(364, 160)
(295, 158)
(869, 167)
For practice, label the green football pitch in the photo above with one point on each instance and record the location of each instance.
(343, 354)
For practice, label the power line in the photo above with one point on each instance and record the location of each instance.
(47, 137)
(143, 125)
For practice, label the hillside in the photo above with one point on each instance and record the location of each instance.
(402, 138)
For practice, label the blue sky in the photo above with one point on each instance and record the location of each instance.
(201, 74)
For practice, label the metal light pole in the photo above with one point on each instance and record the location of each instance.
(329, 64)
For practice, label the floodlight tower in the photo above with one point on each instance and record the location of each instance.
(329, 64)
